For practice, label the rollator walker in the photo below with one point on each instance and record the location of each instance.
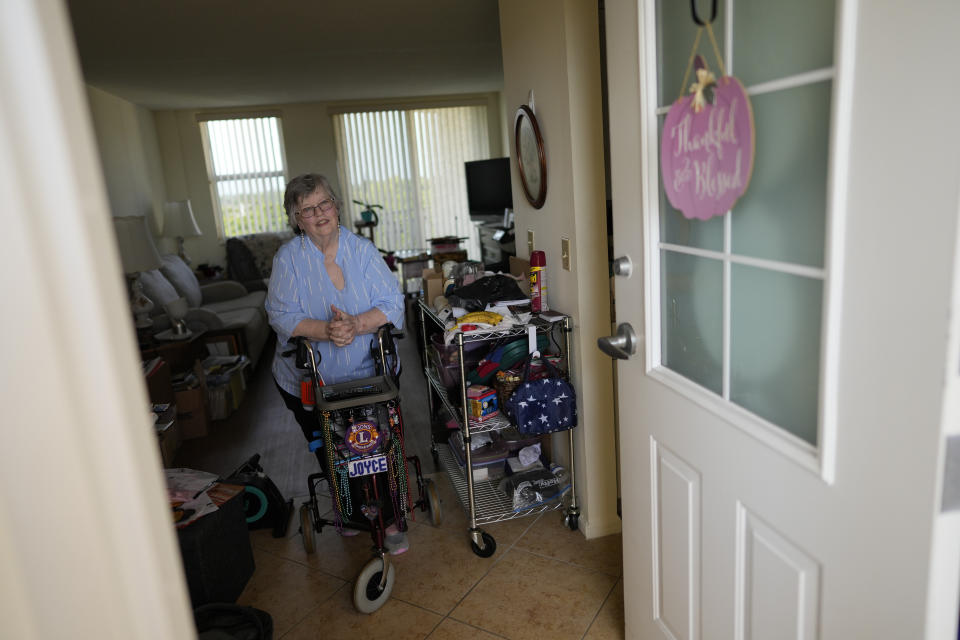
(360, 437)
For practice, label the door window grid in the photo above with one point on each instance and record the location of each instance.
(247, 173)
(727, 257)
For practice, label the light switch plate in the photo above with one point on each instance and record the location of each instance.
(529, 242)
(565, 253)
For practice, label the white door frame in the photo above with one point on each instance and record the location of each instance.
(87, 544)
(938, 193)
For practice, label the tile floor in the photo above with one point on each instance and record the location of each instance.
(543, 581)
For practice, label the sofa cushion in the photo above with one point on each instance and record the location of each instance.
(222, 290)
(158, 289)
(253, 300)
(182, 278)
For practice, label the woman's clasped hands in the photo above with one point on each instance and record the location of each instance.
(343, 327)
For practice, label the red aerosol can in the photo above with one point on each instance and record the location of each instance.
(538, 282)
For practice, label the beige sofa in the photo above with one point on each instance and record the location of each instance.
(218, 305)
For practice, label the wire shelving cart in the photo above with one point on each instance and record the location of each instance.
(482, 500)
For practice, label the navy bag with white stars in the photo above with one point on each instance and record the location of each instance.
(544, 405)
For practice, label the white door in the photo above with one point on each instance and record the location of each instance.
(783, 419)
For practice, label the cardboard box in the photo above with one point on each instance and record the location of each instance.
(169, 443)
(159, 385)
(482, 401)
(192, 412)
(521, 268)
(167, 429)
(432, 285)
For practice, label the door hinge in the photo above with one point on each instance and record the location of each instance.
(951, 475)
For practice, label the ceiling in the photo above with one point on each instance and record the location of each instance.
(178, 54)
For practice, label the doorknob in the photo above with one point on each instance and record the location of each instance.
(621, 346)
(623, 266)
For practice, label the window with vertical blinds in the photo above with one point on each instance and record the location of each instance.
(411, 162)
(247, 173)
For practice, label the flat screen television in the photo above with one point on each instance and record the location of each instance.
(488, 187)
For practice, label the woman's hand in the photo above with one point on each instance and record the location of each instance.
(343, 327)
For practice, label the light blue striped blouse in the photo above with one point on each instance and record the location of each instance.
(300, 288)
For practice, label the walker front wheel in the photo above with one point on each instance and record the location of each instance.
(368, 594)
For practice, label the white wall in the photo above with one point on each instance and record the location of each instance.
(129, 154)
(87, 549)
(552, 48)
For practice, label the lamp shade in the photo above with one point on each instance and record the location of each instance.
(137, 251)
(176, 309)
(178, 220)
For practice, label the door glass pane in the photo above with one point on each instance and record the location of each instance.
(676, 32)
(775, 347)
(692, 318)
(675, 229)
(778, 38)
(782, 215)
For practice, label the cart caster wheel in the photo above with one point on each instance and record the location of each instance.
(572, 520)
(488, 548)
(367, 594)
(306, 528)
(433, 502)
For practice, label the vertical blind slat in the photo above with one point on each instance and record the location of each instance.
(261, 185)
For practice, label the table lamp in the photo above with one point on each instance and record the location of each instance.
(138, 254)
(177, 310)
(179, 223)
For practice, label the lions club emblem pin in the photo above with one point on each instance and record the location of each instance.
(362, 437)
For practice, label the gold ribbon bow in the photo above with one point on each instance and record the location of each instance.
(705, 78)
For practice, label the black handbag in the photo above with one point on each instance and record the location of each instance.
(545, 405)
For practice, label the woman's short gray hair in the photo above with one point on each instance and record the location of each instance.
(299, 188)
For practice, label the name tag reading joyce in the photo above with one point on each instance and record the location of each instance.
(706, 155)
(367, 466)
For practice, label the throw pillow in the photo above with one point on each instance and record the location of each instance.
(240, 261)
(182, 278)
(158, 289)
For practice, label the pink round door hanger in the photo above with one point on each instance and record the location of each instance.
(706, 151)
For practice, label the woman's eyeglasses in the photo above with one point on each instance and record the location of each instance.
(325, 206)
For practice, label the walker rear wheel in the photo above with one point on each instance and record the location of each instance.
(306, 528)
(433, 501)
(367, 594)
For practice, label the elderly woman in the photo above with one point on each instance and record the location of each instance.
(330, 286)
